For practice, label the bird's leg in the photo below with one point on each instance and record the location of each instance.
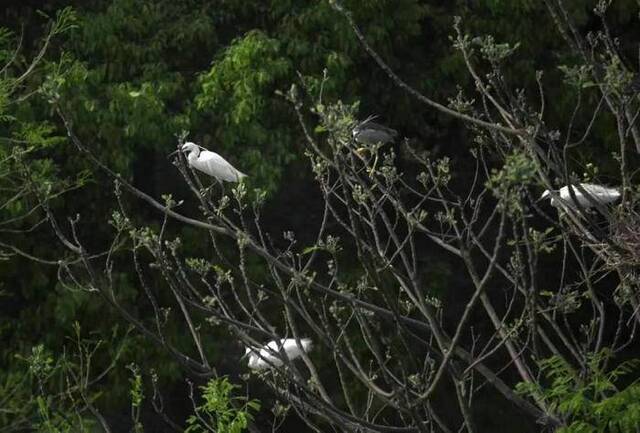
(207, 192)
(373, 167)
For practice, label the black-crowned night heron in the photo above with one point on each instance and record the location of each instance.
(369, 132)
(210, 163)
(596, 193)
(270, 355)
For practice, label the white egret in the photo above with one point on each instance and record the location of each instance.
(369, 132)
(270, 355)
(595, 193)
(210, 163)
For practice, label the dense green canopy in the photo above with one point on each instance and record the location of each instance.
(131, 76)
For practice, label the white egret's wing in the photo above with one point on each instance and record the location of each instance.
(257, 363)
(218, 167)
(602, 193)
(271, 353)
(567, 200)
(292, 349)
(598, 193)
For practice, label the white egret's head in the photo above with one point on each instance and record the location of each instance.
(256, 363)
(247, 351)
(190, 147)
(545, 194)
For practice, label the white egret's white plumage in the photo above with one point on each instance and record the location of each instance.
(271, 354)
(211, 163)
(598, 193)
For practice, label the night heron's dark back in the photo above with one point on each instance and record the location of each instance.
(369, 132)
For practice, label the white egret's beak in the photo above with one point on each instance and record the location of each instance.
(173, 153)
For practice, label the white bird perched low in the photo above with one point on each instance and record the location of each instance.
(211, 163)
(271, 354)
(598, 193)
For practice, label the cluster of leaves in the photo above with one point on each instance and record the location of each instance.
(240, 85)
(60, 394)
(590, 401)
(509, 182)
(221, 411)
(56, 393)
(28, 173)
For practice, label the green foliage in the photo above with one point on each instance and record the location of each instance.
(137, 71)
(248, 67)
(577, 76)
(121, 82)
(240, 86)
(28, 169)
(591, 401)
(45, 392)
(51, 420)
(137, 396)
(508, 183)
(220, 411)
(494, 52)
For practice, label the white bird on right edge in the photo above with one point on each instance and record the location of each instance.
(598, 193)
(270, 355)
